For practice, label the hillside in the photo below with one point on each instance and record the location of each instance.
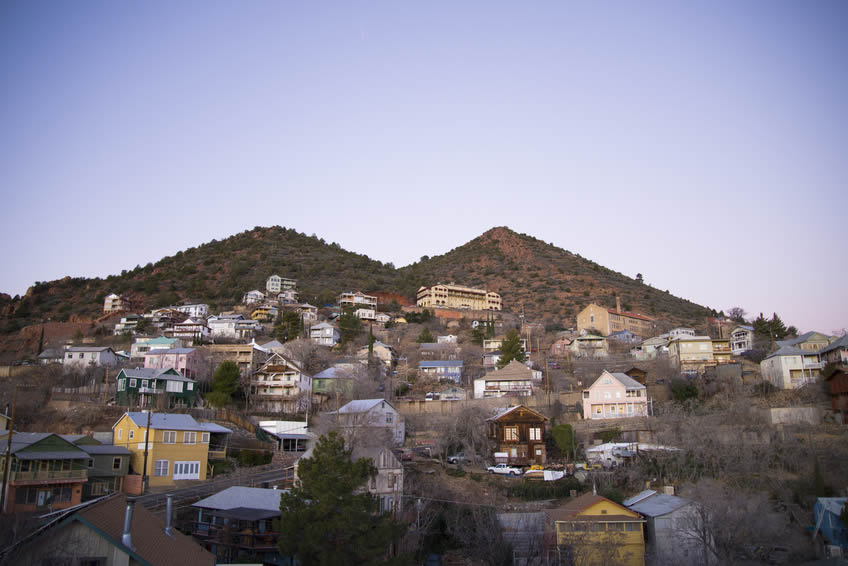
(548, 283)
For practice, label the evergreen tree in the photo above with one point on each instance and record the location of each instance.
(349, 326)
(225, 382)
(425, 337)
(563, 436)
(762, 327)
(327, 518)
(777, 328)
(511, 349)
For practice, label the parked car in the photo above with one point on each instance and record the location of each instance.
(504, 469)
(458, 458)
(423, 451)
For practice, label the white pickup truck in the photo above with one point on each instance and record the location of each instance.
(504, 469)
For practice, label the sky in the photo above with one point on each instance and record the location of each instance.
(700, 144)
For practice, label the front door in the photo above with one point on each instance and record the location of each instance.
(43, 497)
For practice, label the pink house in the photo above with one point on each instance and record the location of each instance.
(184, 360)
(615, 395)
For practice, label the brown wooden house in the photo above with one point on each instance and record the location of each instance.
(519, 432)
(638, 374)
(838, 386)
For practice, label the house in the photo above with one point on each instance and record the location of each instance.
(191, 331)
(113, 303)
(265, 313)
(638, 374)
(179, 447)
(253, 297)
(694, 353)
(560, 346)
(155, 387)
(615, 395)
(365, 314)
(452, 296)
(652, 347)
(387, 485)
(382, 318)
(50, 356)
(513, 379)
(308, 313)
(835, 353)
(127, 325)
(809, 341)
(195, 310)
(827, 517)
(143, 345)
(519, 433)
(838, 387)
(446, 339)
(681, 332)
(591, 529)
(453, 393)
(606, 321)
(287, 297)
(238, 523)
(46, 472)
(589, 346)
(496, 344)
(248, 357)
(106, 468)
(324, 334)
(80, 357)
(436, 351)
(791, 367)
(111, 531)
(741, 339)
(364, 418)
(357, 299)
(624, 337)
(185, 360)
(441, 369)
(276, 284)
(280, 385)
(338, 379)
(671, 526)
(232, 327)
(383, 352)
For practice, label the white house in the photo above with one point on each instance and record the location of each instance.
(681, 331)
(791, 367)
(365, 314)
(113, 302)
(252, 297)
(615, 395)
(382, 318)
(513, 379)
(357, 299)
(364, 417)
(280, 385)
(197, 310)
(450, 339)
(83, 356)
(324, 334)
(741, 339)
(191, 331)
(672, 525)
(232, 326)
(275, 284)
(652, 347)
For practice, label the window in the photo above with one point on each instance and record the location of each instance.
(122, 384)
(511, 433)
(133, 382)
(131, 435)
(120, 434)
(186, 470)
(189, 437)
(204, 438)
(174, 386)
(535, 433)
(161, 468)
(388, 419)
(190, 386)
(116, 463)
(632, 527)
(144, 383)
(91, 462)
(169, 437)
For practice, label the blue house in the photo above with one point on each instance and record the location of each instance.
(441, 369)
(827, 521)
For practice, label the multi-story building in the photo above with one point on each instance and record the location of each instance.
(196, 310)
(280, 386)
(324, 334)
(80, 357)
(606, 321)
(276, 284)
(383, 352)
(513, 379)
(615, 395)
(589, 346)
(694, 353)
(143, 345)
(107, 466)
(113, 303)
(46, 472)
(232, 327)
(191, 330)
(791, 367)
(252, 297)
(452, 296)
(357, 299)
(368, 418)
(387, 485)
(741, 339)
(836, 352)
(265, 313)
(441, 369)
(155, 387)
(519, 433)
(179, 447)
(248, 357)
(185, 360)
(809, 341)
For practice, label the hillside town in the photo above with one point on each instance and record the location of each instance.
(457, 427)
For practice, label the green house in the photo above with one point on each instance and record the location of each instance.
(152, 387)
(107, 466)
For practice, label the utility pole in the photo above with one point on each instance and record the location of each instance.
(144, 478)
(8, 465)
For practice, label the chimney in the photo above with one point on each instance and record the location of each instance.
(618, 303)
(169, 515)
(126, 537)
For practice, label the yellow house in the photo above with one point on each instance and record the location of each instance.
(591, 530)
(179, 447)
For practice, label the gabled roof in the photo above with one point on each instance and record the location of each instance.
(790, 351)
(622, 378)
(243, 497)
(841, 342)
(572, 509)
(322, 325)
(167, 421)
(363, 406)
(503, 412)
(512, 371)
(169, 374)
(24, 440)
(88, 349)
(334, 372)
(658, 504)
(277, 359)
(373, 453)
(800, 339)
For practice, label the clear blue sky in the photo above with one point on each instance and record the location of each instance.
(701, 144)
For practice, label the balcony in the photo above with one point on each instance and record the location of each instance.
(217, 454)
(48, 476)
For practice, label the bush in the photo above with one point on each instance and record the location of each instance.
(683, 390)
(531, 490)
(253, 457)
(455, 472)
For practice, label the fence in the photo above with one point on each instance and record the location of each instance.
(93, 392)
(539, 401)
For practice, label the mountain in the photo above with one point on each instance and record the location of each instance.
(547, 283)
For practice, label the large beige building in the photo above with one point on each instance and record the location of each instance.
(453, 296)
(606, 321)
(694, 353)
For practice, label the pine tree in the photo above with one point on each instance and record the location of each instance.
(425, 337)
(776, 327)
(511, 349)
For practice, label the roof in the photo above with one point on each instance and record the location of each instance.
(622, 378)
(333, 372)
(841, 342)
(572, 509)
(510, 372)
(658, 504)
(87, 348)
(168, 421)
(322, 325)
(49, 354)
(440, 363)
(159, 352)
(362, 405)
(832, 504)
(373, 454)
(790, 351)
(104, 449)
(630, 315)
(799, 339)
(167, 374)
(272, 344)
(240, 497)
(22, 440)
(502, 412)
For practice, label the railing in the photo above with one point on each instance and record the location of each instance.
(229, 536)
(48, 475)
(217, 454)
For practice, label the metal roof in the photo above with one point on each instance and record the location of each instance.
(88, 348)
(363, 405)
(240, 497)
(440, 363)
(104, 449)
(150, 373)
(168, 421)
(659, 505)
